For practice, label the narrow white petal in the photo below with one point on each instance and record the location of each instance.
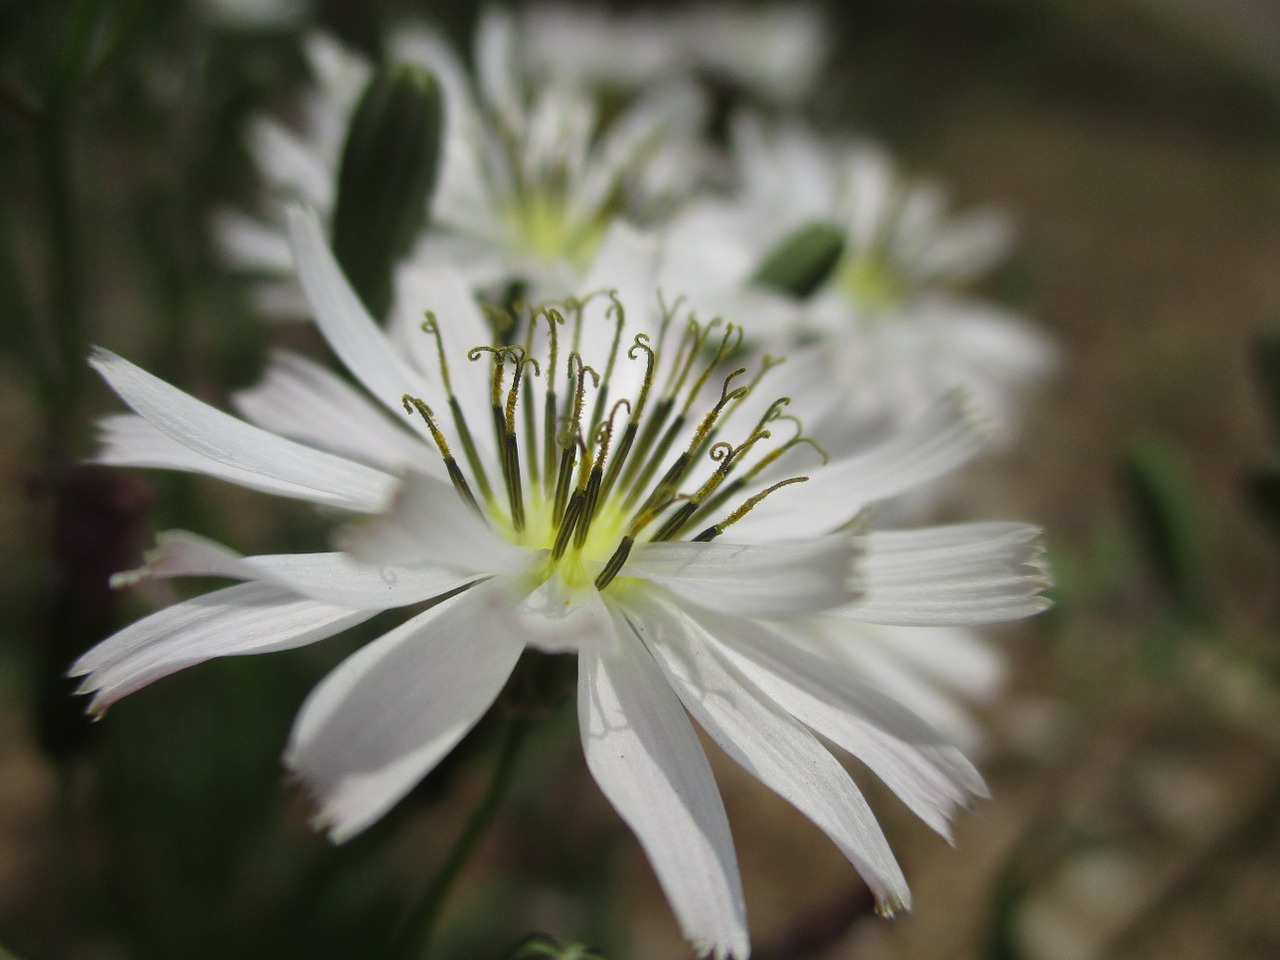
(788, 579)
(290, 164)
(951, 576)
(776, 749)
(945, 438)
(242, 446)
(246, 618)
(298, 398)
(388, 713)
(127, 440)
(346, 324)
(328, 577)
(429, 522)
(646, 758)
(441, 290)
(250, 244)
(929, 774)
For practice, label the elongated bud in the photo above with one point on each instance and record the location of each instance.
(387, 178)
(802, 261)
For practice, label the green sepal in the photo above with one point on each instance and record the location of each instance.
(800, 263)
(387, 178)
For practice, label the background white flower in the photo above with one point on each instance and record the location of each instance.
(893, 313)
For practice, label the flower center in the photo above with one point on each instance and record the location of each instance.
(543, 225)
(871, 283)
(588, 462)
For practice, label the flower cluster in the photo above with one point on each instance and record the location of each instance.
(652, 465)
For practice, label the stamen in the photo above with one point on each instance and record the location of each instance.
(604, 434)
(615, 310)
(716, 529)
(451, 465)
(432, 326)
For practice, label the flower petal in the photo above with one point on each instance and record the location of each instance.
(429, 522)
(943, 439)
(327, 577)
(248, 450)
(952, 576)
(127, 440)
(298, 398)
(246, 618)
(646, 758)
(388, 713)
(347, 326)
(927, 772)
(776, 749)
(767, 580)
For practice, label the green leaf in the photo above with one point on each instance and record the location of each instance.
(802, 261)
(387, 178)
(1163, 508)
(1263, 488)
(1266, 361)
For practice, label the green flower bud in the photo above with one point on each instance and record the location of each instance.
(802, 261)
(386, 179)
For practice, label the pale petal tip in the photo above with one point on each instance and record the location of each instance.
(888, 907)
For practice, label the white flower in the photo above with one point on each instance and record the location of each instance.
(601, 491)
(534, 174)
(893, 314)
(531, 175)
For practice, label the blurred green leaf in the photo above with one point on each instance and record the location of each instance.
(539, 946)
(1266, 360)
(801, 261)
(1165, 516)
(1263, 487)
(386, 179)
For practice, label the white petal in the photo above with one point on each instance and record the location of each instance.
(950, 576)
(127, 440)
(298, 398)
(290, 164)
(939, 442)
(346, 324)
(929, 774)
(246, 618)
(646, 758)
(428, 521)
(328, 577)
(323, 477)
(388, 713)
(776, 749)
(250, 244)
(787, 579)
(441, 290)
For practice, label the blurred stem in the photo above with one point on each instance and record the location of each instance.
(66, 269)
(415, 936)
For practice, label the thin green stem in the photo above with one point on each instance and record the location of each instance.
(419, 927)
